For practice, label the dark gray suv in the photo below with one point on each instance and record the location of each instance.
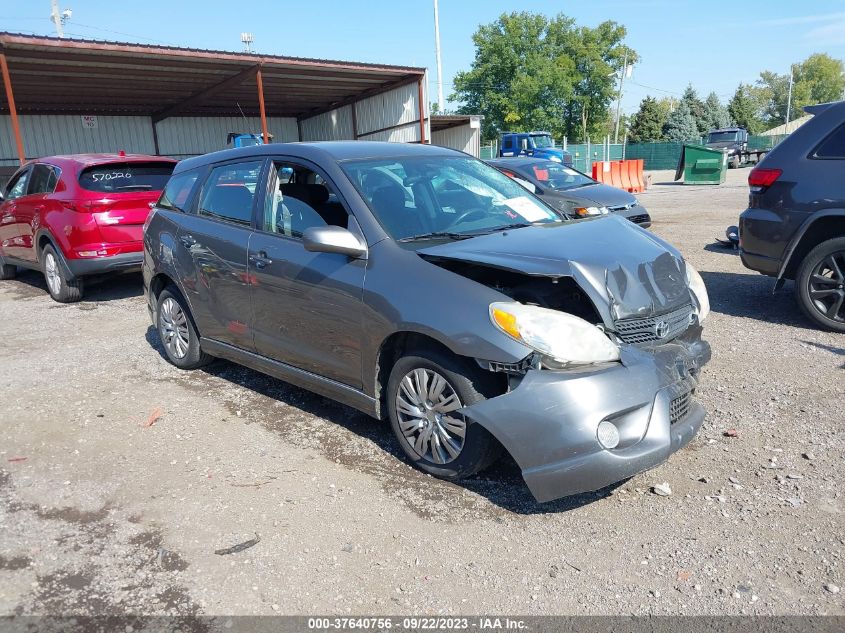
(794, 227)
(422, 286)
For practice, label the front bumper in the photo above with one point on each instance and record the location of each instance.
(548, 423)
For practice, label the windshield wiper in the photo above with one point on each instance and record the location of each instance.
(436, 235)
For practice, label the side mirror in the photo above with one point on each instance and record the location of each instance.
(333, 239)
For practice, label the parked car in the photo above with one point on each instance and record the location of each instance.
(420, 285)
(78, 215)
(794, 227)
(571, 192)
(533, 144)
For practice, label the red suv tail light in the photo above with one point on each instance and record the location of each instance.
(762, 178)
(88, 206)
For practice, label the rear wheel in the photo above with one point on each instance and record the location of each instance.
(820, 284)
(7, 271)
(423, 394)
(60, 287)
(177, 331)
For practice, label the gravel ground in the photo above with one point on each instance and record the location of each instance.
(121, 476)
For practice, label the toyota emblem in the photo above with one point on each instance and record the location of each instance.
(661, 329)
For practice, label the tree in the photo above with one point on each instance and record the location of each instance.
(647, 124)
(535, 72)
(817, 79)
(744, 109)
(715, 114)
(697, 109)
(681, 126)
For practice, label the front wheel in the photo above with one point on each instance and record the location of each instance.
(820, 284)
(424, 393)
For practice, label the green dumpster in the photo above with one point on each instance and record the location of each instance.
(701, 165)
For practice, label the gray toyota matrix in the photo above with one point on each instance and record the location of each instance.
(422, 286)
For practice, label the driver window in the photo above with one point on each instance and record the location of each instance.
(17, 186)
(299, 198)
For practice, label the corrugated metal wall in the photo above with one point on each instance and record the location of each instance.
(45, 135)
(463, 138)
(189, 136)
(396, 107)
(335, 125)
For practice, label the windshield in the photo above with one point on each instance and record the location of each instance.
(446, 197)
(558, 177)
(542, 141)
(126, 177)
(722, 137)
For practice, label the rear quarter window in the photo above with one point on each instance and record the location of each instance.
(833, 146)
(126, 177)
(178, 190)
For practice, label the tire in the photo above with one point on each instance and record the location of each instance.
(820, 284)
(58, 285)
(7, 271)
(177, 331)
(443, 454)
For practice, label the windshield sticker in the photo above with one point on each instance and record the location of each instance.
(541, 174)
(569, 172)
(527, 209)
(114, 175)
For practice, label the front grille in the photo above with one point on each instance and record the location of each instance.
(639, 219)
(650, 329)
(679, 407)
(623, 207)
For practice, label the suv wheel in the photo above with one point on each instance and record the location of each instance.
(7, 271)
(423, 393)
(820, 284)
(177, 331)
(58, 285)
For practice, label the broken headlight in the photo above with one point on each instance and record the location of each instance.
(562, 338)
(696, 285)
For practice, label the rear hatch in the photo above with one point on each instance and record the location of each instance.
(120, 196)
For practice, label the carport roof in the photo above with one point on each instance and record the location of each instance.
(77, 76)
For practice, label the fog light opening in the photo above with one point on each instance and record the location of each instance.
(608, 434)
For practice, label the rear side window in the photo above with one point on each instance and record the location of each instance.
(229, 192)
(126, 177)
(833, 146)
(44, 179)
(178, 190)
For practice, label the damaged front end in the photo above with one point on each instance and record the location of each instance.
(608, 390)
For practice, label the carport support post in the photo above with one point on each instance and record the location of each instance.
(13, 113)
(421, 108)
(260, 82)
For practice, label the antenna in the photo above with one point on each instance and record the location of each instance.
(59, 19)
(247, 39)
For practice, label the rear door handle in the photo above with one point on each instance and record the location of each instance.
(187, 240)
(261, 260)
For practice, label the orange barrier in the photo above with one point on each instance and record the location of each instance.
(622, 174)
(625, 175)
(616, 174)
(640, 177)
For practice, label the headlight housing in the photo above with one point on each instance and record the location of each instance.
(584, 212)
(563, 340)
(696, 285)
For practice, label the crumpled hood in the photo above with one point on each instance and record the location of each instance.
(595, 195)
(626, 271)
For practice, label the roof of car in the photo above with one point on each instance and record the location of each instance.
(322, 150)
(86, 160)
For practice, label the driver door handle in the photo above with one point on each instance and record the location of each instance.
(187, 240)
(261, 260)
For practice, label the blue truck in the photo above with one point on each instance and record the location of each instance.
(533, 144)
(238, 139)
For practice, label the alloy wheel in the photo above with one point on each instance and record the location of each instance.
(827, 286)
(51, 273)
(173, 325)
(423, 404)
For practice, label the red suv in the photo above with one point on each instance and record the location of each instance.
(79, 215)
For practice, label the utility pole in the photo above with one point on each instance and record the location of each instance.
(789, 97)
(619, 95)
(56, 17)
(441, 104)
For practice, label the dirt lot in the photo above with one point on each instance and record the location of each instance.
(102, 513)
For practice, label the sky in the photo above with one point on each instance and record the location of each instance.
(714, 45)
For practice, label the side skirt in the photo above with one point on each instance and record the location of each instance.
(312, 382)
